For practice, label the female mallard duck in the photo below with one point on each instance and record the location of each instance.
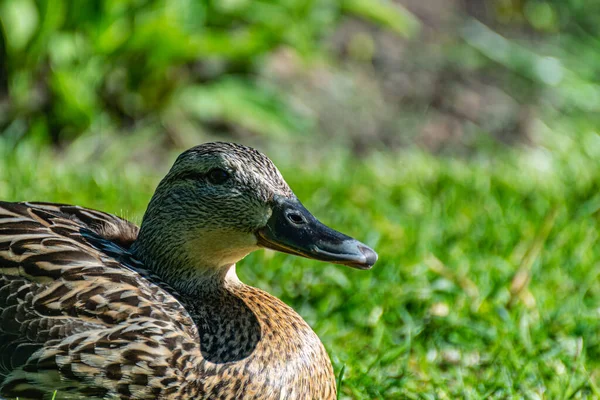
(94, 309)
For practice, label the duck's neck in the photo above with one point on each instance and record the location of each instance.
(204, 282)
(190, 276)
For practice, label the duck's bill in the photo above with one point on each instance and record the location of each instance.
(293, 229)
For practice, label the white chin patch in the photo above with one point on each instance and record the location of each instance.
(219, 248)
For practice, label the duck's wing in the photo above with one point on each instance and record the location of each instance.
(77, 312)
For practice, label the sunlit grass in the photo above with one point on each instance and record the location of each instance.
(487, 284)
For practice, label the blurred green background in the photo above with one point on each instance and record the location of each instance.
(457, 137)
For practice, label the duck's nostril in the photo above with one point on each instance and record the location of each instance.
(296, 218)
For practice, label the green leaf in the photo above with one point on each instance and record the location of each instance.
(387, 14)
(21, 20)
(258, 109)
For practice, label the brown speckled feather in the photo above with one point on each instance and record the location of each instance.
(80, 315)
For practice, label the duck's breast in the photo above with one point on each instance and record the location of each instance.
(254, 346)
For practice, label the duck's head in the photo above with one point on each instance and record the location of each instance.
(220, 201)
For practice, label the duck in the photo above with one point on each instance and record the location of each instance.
(94, 307)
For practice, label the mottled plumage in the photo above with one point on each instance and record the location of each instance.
(93, 308)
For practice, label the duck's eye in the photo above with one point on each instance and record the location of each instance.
(217, 176)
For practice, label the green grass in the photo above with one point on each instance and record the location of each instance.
(487, 284)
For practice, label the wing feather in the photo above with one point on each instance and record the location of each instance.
(77, 312)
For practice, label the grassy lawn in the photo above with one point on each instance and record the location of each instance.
(487, 284)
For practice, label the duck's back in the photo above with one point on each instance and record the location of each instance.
(76, 315)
